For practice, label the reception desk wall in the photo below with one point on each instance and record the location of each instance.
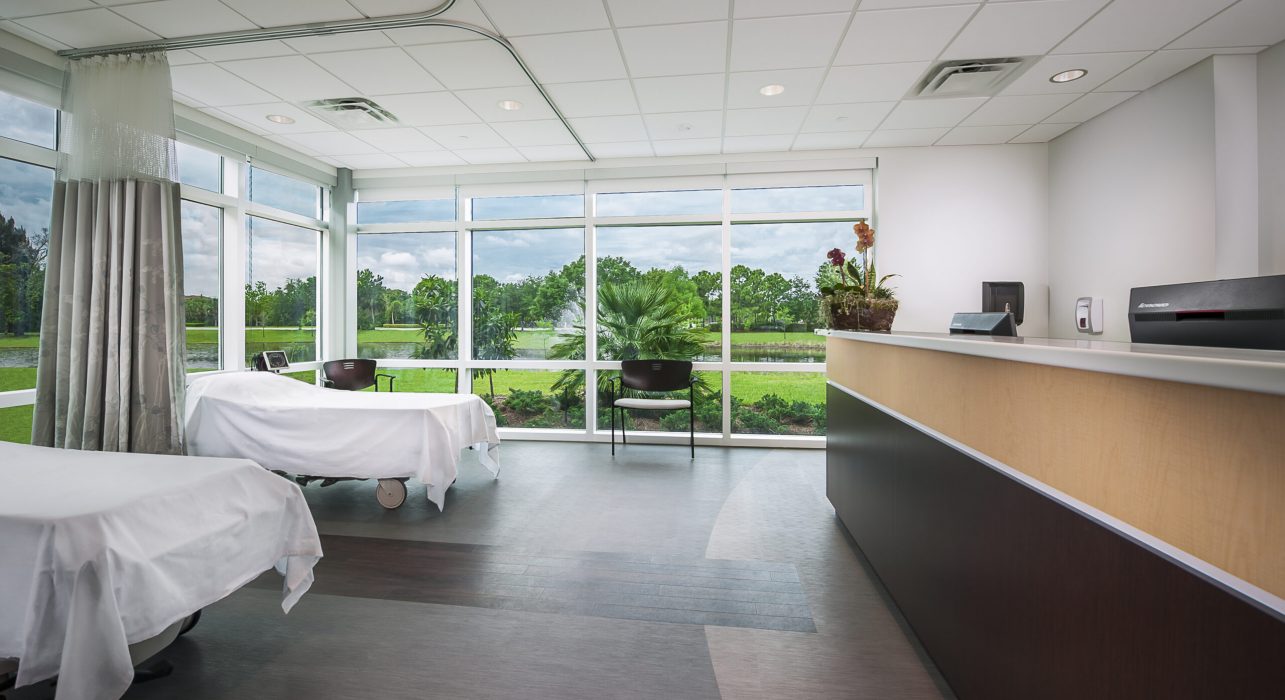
(1070, 520)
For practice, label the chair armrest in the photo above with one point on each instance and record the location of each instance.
(327, 383)
(390, 379)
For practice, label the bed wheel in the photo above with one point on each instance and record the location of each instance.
(190, 623)
(391, 493)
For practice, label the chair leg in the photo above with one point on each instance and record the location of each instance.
(613, 431)
(624, 437)
(691, 436)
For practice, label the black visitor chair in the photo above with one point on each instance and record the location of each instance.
(655, 376)
(352, 375)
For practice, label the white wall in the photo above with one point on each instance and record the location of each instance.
(1271, 160)
(1131, 200)
(950, 217)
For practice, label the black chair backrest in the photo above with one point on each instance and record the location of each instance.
(656, 375)
(350, 375)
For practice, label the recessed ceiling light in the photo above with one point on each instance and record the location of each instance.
(1067, 76)
(771, 90)
(280, 119)
(510, 105)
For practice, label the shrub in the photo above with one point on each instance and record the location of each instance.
(747, 421)
(529, 402)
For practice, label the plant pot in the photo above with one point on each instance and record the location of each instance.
(850, 312)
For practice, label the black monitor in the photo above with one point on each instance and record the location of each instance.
(998, 297)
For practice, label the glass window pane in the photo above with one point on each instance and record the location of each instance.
(528, 294)
(199, 168)
(778, 403)
(421, 379)
(545, 206)
(708, 408)
(664, 279)
(202, 283)
(406, 212)
(406, 296)
(795, 199)
(28, 121)
(659, 203)
(15, 424)
(775, 268)
(281, 310)
(533, 398)
(25, 206)
(285, 193)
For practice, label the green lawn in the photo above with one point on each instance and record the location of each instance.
(15, 424)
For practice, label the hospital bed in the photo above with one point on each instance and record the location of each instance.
(301, 429)
(107, 557)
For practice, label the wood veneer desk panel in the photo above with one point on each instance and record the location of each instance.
(1201, 468)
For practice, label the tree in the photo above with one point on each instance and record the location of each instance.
(709, 287)
(257, 300)
(22, 277)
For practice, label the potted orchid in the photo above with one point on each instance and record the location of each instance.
(856, 298)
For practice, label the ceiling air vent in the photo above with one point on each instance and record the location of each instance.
(351, 112)
(968, 78)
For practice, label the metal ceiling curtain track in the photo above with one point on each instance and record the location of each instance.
(295, 31)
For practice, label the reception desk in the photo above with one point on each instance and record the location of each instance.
(1063, 519)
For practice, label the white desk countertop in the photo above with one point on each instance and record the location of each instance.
(1228, 368)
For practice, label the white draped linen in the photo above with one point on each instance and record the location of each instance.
(300, 428)
(100, 551)
(111, 358)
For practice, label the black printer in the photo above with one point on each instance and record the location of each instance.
(1237, 313)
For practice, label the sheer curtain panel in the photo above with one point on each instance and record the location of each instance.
(111, 373)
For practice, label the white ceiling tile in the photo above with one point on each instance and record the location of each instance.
(902, 4)
(1133, 25)
(370, 161)
(594, 99)
(228, 118)
(416, 36)
(764, 121)
(776, 8)
(628, 149)
(785, 42)
(1163, 65)
(1041, 133)
(480, 156)
(966, 135)
(552, 153)
(680, 94)
(215, 86)
(189, 101)
(257, 114)
(332, 143)
(279, 13)
(542, 132)
(397, 141)
(385, 8)
(1101, 67)
(84, 28)
(1019, 109)
(378, 71)
(800, 87)
(234, 52)
(171, 18)
(351, 41)
(466, 11)
(926, 114)
(814, 142)
(182, 57)
(889, 81)
(616, 129)
(570, 58)
(428, 159)
(898, 138)
(1247, 23)
(518, 17)
(470, 64)
(486, 104)
(1020, 28)
(757, 144)
(23, 8)
(33, 36)
(685, 125)
(862, 116)
(293, 78)
(1089, 106)
(461, 136)
(428, 108)
(688, 147)
(631, 13)
(894, 36)
(675, 49)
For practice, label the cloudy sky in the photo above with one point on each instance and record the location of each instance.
(27, 121)
(511, 256)
(267, 187)
(404, 258)
(201, 224)
(695, 248)
(278, 252)
(26, 193)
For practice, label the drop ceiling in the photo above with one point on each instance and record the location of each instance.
(661, 77)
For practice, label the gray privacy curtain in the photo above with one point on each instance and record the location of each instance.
(111, 370)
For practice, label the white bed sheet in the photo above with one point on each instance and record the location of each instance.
(300, 428)
(100, 550)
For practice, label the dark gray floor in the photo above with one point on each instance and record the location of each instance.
(573, 576)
